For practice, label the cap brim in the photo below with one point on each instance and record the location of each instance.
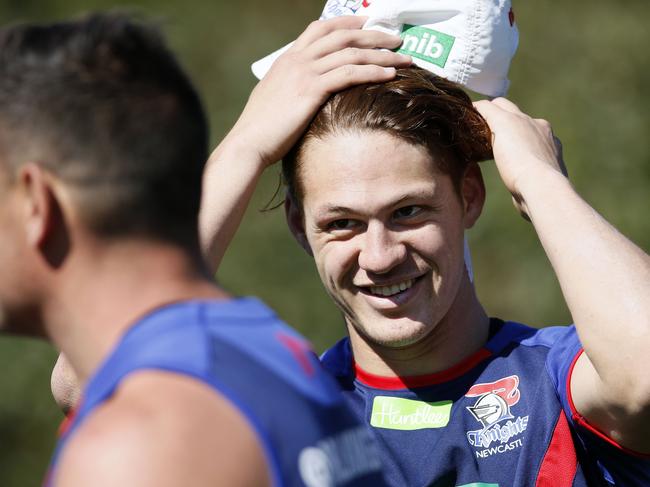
(262, 66)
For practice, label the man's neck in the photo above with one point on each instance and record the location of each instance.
(106, 290)
(461, 333)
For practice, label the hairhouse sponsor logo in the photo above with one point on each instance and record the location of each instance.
(426, 44)
(397, 413)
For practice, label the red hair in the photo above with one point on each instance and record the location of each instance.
(418, 107)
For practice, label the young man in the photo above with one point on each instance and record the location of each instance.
(381, 188)
(102, 148)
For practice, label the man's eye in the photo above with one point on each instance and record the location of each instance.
(342, 224)
(407, 211)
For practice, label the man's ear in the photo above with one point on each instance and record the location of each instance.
(38, 203)
(44, 221)
(296, 221)
(472, 193)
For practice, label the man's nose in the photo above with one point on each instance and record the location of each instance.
(381, 250)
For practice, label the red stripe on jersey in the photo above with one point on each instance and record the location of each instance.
(67, 422)
(560, 462)
(396, 383)
(300, 350)
(582, 421)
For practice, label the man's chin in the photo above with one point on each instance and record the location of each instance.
(393, 333)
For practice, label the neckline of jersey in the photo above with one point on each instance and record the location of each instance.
(415, 381)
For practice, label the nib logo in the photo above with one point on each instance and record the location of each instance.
(426, 44)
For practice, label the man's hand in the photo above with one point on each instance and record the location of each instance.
(524, 148)
(329, 56)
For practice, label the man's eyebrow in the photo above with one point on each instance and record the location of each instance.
(333, 210)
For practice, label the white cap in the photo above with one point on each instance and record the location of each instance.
(470, 42)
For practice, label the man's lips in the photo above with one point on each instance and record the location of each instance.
(389, 290)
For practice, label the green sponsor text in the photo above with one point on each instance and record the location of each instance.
(406, 414)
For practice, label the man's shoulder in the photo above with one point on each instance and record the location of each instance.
(338, 359)
(514, 333)
(161, 429)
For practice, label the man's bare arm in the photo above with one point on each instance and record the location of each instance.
(164, 430)
(329, 56)
(605, 278)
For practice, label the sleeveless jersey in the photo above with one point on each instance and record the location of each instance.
(503, 417)
(266, 370)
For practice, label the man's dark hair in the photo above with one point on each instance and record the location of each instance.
(102, 104)
(418, 107)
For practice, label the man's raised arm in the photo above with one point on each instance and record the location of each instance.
(328, 56)
(605, 278)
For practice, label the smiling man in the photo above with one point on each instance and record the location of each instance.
(386, 234)
(381, 187)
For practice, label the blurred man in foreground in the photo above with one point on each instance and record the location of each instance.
(102, 148)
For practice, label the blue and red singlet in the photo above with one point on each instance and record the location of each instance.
(266, 370)
(504, 417)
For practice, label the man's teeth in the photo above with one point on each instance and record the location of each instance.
(391, 290)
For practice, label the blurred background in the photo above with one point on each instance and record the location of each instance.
(584, 65)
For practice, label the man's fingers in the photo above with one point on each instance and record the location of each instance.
(341, 39)
(356, 56)
(496, 108)
(506, 105)
(320, 28)
(487, 110)
(349, 75)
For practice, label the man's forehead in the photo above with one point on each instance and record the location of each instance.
(367, 172)
(364, 157)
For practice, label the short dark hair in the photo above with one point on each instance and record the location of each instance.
(102, 103)
(416, 106)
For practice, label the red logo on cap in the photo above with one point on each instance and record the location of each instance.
(511, 17)
(366, 3)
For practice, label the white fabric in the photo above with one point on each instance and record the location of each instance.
(470, 42)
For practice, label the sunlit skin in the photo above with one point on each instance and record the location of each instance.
(378, 213)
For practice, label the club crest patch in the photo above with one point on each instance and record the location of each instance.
(493, 411)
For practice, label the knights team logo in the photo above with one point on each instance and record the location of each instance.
(493, 411)
(490, 409)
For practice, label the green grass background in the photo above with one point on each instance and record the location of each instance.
(583, 65)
